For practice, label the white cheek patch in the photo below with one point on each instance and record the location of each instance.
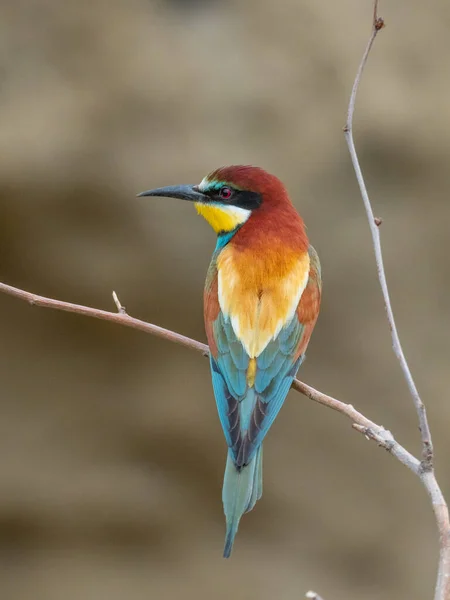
(203, 184)
(240, 215)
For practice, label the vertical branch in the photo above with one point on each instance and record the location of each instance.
(426, 471)
(427, 446)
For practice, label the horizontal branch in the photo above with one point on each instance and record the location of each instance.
(121, 317)
(371, 430)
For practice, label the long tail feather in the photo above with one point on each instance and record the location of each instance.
(241, 489)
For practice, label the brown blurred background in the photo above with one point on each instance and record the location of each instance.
(111, 452)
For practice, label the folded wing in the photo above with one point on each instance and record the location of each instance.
(250, 391)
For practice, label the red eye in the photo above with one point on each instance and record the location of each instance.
(225, 193)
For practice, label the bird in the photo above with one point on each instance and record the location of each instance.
(261, 302)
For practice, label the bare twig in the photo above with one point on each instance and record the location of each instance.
(426, 470)
(120, 308)
(374, 223)
(361, 423)
(121, 317)
(371, 430)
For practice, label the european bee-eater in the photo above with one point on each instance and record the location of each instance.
(261, 302)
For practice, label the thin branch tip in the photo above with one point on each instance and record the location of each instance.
(120, 308)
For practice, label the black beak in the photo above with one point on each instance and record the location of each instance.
(184, 192)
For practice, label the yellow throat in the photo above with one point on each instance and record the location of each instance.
(222, 218)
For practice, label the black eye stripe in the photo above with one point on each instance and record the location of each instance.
(247, 200)
(240, 198)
